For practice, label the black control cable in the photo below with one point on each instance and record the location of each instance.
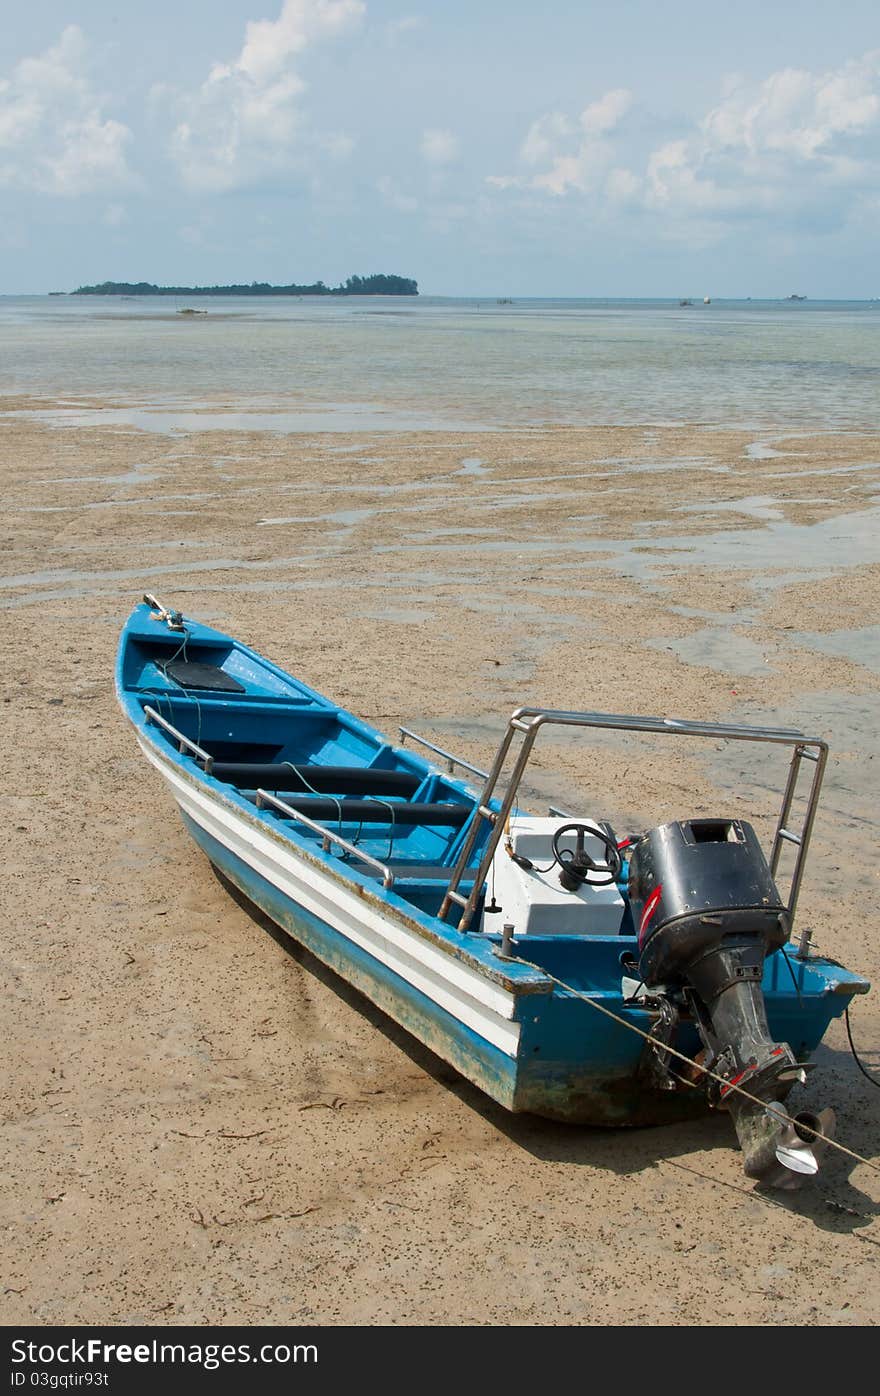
(852, 1047)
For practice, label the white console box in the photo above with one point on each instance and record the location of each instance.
(534, 901)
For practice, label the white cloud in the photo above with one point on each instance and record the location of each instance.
(600, 118)
(798, 144)
(439, 147)
(246, 122)
(54, 135)
(798, 147)
(543, 135)
(796, 112)
(576, 153)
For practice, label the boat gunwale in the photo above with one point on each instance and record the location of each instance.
(509, 975)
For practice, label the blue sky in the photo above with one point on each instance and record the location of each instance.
(482, 147)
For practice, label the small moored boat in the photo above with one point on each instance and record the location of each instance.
(566, 971)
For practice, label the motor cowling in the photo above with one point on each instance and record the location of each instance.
(707, 913)
(695, 884)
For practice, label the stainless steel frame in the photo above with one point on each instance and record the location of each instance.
(184, 743)
(528, 722)
(327, 835)
(451, 761)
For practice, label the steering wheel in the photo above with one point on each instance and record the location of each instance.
(577, 864)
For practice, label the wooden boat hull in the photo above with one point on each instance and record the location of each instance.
(506, 1025)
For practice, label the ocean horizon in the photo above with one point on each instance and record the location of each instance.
(327, 363)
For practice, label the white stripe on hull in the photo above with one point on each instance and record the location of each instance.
(474, 1000)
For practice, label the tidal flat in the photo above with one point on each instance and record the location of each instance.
(202, 1124)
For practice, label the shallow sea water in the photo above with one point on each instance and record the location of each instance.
(430, 363)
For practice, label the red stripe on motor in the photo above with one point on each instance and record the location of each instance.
(648, 911)
(734, 1080)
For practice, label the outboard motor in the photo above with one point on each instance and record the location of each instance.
(707, 913)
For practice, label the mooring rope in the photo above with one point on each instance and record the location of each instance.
(707, 1071)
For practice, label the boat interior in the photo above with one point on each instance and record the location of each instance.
(332, 782)
(262, 731)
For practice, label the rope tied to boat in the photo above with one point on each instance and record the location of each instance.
(671, 1051)
(162, 695)
(172, 618)
(376, 799)
(297, 770)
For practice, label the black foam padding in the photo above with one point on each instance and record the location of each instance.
(191, 673)
(330, 812)
(327, 780)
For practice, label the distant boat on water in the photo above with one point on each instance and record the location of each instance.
(707, 300)
(795, 298)
(188, 310)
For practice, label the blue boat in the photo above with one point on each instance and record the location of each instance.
(565, 971)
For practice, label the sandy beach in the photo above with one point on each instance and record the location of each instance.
(201, 1123)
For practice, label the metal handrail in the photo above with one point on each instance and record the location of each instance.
(327, 835)
(685, 727)
(784, 834)
(529, 721)
(439, 751)
(186, 743)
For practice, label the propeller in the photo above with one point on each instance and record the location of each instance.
(782, 1155)
(799, 1151)
(779, 1154)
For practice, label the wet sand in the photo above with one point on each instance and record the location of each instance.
(202, 1125)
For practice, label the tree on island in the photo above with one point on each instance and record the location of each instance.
(379, 284)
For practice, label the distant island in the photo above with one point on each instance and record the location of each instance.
(376, 285)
